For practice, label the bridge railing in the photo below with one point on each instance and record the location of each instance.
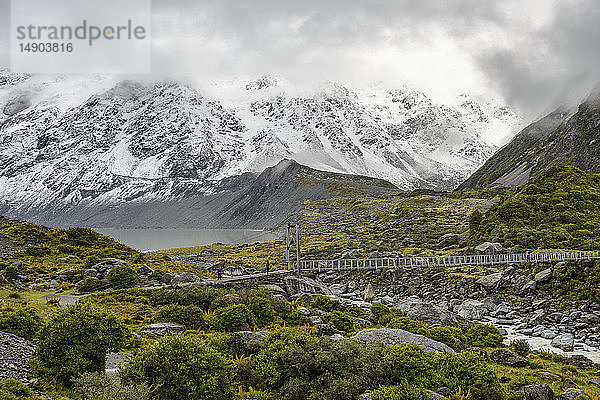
(357, 264)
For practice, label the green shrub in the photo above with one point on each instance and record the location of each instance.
(38, 251)
(483, 336)
(232, 318)
(408, 324)
(11, 272)
(403, 391)
(191, 316)
(76, 340)
(89, 284)
(379, 310)
(447, 334)
(263, 311)
(24, 322)
(201, 296)
(182, 367)
(123, 276)
(340, 320)
(521, 347)
(322, 303)
(11, 389)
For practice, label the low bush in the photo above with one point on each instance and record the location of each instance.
(89, 284)
(191, 316)
(76, 340)
(182, 367)
(483, 336)
(123, 276)
(340, 320)
(232, 318)
(521, 347)
(201, 296)
(11, 389)
(322, 303)
(263, 310)
(403, 391)
(379, 310)
(24, 322)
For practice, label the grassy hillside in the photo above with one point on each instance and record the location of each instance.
(558, 208)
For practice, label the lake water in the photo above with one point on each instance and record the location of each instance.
(161, 239)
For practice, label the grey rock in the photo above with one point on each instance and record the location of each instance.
(336, 337)
(90, 272)
(369, 293)
(316, 320)
(338, 289)
(565, 342)
(430, 313)
(387, 300)
(54, 285)
(15, 354)
(508, 357)
(471, 310)
(538, 392)
(573, 393)
(544, 275)
(490, 281)
(548, 334)
(304, 311)
(489, 248)
(167, 277)
(434, 395)
(162, 329)
(398, 336)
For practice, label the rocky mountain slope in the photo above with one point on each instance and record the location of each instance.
(74, 143)
(564, 136)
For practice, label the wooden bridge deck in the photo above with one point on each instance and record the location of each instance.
(445, 261)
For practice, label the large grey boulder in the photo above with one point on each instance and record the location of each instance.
(393, 337)
(573, 393)
(471, 310)
(538, 392)
(162, 329)
(543, 276)
(508, 358)
(491, 281)
(565, 342)
(489, 248)
(430, 313)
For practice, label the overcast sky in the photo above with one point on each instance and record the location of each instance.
(524, 52)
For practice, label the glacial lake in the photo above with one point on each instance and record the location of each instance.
(162, 239)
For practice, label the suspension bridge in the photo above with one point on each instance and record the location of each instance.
(438, 262)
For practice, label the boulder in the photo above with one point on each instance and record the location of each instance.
(304, 311)
(565, 342)
(538, 392)
(489, 248)
(448, 239)
(434, 395)
(167, 277)
(54, 285)
(92, 273)
(369, 293)
(185, 277)
(491, 281)
(246, 342)
(316, 320)
(162, 329)
(416, 308)
(337, 289)
(387, 300)
(336, 337)
(508, 357)
(392, 337)
(573, 393)
(471, 310)
(543, 276)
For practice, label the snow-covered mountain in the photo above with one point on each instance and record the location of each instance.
(71, 141)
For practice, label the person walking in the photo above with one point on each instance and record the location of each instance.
(219, 271)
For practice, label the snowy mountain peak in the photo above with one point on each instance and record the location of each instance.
(73, 140)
